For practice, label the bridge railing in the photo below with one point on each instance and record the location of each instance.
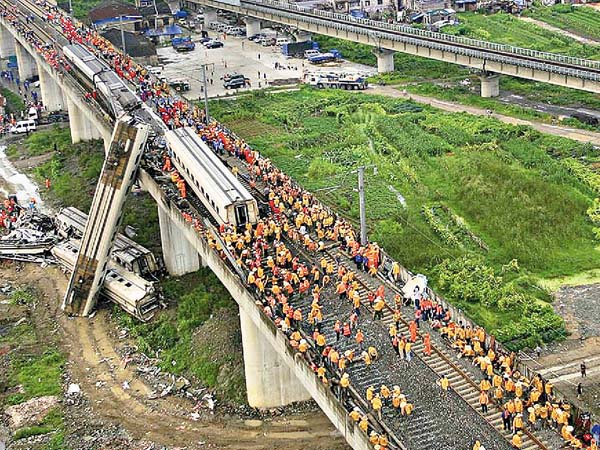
(431, 35)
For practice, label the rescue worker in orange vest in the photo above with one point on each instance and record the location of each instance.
(364, 423)
(516, 441)
(412, 327)
(427, 344)
(444, 383)
(484, 401)
(344, 385)
(376, 404)
(360, 338)
(355, 414)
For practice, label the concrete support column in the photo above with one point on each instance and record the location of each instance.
(82, 129)
(302, 36)
(179, 255)
(25, 62)
(252, 26)
(210, 15)
(270, 382)
(490, 84)
(52, 95)
(7, 43)
(385, 60)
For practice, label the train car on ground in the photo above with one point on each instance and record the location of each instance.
(70, 222)
(132, 293)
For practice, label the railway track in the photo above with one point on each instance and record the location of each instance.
(439, 361)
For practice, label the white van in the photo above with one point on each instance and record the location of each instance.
(282, 40)
(23, 126)
(32, 114)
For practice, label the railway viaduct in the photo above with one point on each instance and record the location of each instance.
(276, 374)
(489, 58)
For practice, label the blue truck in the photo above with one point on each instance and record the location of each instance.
(297, 49)
(330, 56)
(183, 44)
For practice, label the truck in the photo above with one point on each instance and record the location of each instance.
(297, 49)
(337, 81)
(330, 56)
(183, 44)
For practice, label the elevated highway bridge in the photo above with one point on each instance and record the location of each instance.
(276, 373)
(490, 58)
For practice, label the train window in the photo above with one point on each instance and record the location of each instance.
(202, 189)
(128, 284)
(120, 280)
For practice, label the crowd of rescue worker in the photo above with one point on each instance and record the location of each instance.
(278, 276)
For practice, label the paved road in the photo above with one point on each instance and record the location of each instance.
(572, 133)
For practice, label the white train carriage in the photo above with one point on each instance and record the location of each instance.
(131, 292)
(214, 184)
(70, 222)
(98, 75)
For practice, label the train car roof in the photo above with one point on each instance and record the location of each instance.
(215, 171)
(90, 60)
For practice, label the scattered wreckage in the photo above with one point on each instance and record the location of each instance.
(35, 237)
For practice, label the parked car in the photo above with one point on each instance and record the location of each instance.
(54, 117)
(268, 41)
(204, 40)
(235, 81)
(257, 37)
(213, 43)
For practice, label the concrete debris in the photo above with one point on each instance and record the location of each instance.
(73, 389)
(30, 412)
(125, 385)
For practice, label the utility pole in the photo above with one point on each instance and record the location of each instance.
(206, 120)
(361, 202)
(71, 7)
(122, 35)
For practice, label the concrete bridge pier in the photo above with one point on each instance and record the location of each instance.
(25, 62)
(490, 84)
(302, 36)
(270, 382)
(82, 129)
(253, 26)
(210, 15)
(52, 95)
(7, 43)
(179, 255)
(385, 60)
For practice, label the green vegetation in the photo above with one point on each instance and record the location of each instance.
(14, 102)
(509, 186)
(73, 170)
(199, 337)
(507, 29)
(140, 212)
(37, 374)
(580, 20)
(52, 422)
(82, 8)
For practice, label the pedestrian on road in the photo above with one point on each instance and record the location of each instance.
(259, 56)
(583, 370)
(579, 390)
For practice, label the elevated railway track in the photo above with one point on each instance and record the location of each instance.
(488, 57)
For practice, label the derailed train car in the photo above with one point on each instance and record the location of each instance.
(214, 184)
(113, 92)
(132, 293)
(70, 223)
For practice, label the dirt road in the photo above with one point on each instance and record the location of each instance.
(572, 133)
(95, 364)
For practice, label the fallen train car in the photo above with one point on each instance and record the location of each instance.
(132, 293)
(213, 183)
(112, 91)
(70, 223)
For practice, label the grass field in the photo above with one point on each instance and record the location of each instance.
(507, 29)
(580, 20)
(507, 183)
